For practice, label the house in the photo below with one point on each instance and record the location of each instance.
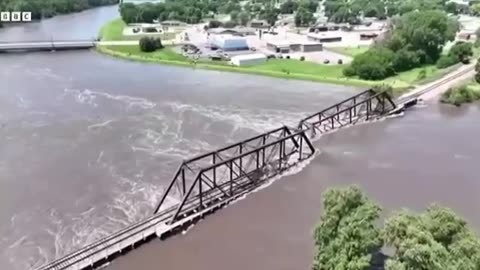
(229, 42)
(248, 59)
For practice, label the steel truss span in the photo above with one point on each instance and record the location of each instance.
(207, 182)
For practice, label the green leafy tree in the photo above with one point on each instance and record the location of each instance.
(426, 31)
(346, 236)
(288, 7)
(243, 18)
(234, 15)
(149, 44)
(462, 51)
(374, 64)
(303, 17)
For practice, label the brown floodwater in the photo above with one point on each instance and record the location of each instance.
(430, 154)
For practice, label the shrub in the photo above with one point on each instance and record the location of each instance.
(405, 60)
(349, 72)
(462, 51)
(288, 56)
(374, 64)
(149, 44)
(447, 61)
(302, 58)
(460, 95)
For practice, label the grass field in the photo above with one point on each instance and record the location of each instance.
(113, 31)
(167, 53)
(350, 51)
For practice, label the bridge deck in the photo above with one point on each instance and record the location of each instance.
(47, 45)
(220, 177)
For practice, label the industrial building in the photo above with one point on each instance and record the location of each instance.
(324, 37)
(288, 47)
(248, 59)
(228, 42)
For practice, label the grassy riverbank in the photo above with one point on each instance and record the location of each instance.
(279, 68)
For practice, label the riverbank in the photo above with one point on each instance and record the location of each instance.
(278, 68)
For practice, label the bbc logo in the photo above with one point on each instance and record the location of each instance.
(15, 16)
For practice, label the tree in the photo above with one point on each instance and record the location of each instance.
(303, 17)
(270, 14)
(288, 7)
(234, 15)
(451, 7)
(244, 17)
(437, 239)
(475, 8)
(426, 31)
(346, 236)
(405, 60)
(149, 44)
(462, 51)
(374, 64)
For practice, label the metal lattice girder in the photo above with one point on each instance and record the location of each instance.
(188, 170)
(266, 160)
(363, 106)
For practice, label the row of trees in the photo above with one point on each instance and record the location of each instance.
(349, 11)
(48, 8)
(349, 238)
(416, 38)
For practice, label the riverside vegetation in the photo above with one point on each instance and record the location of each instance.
(349, 237)
(465, 93)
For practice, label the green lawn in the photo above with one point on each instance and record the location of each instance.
(113, 31)
(350, 51)
(166, 53)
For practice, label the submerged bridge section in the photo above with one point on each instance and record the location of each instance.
(205, 183)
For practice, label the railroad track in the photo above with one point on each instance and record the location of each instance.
(406, 99)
